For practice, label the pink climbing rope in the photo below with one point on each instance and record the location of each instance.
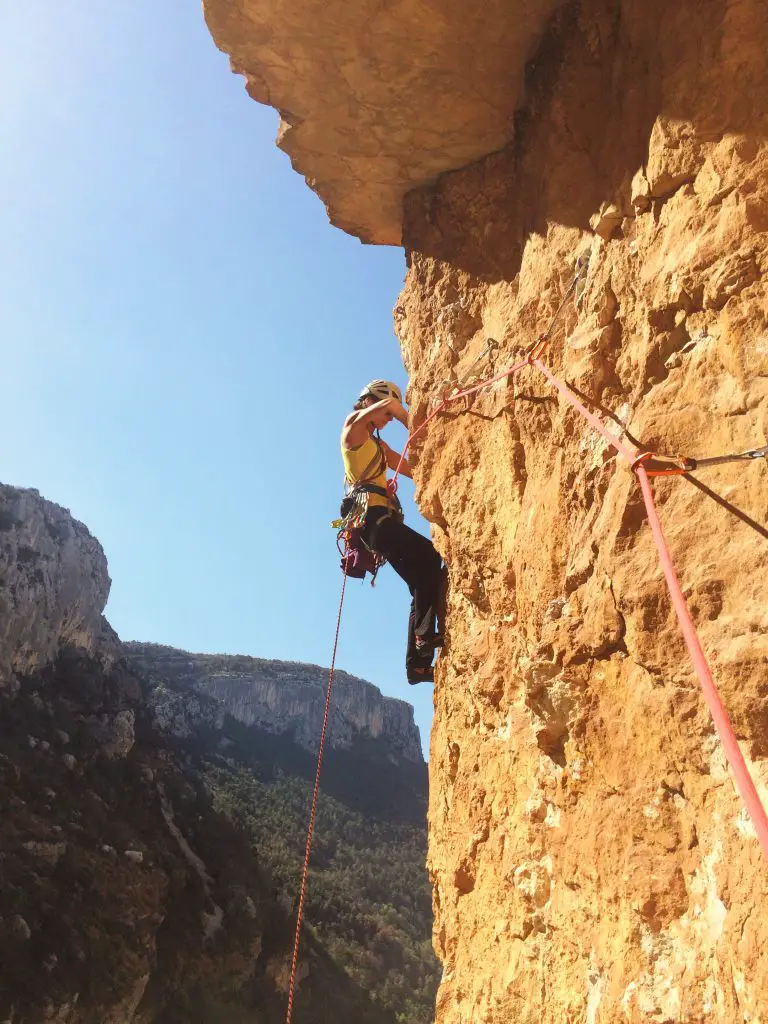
(743, 779)
(744, 783)
(628, 453)
(509, 372)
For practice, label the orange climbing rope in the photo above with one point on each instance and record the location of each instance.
(311, 829)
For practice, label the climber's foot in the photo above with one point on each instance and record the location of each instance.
(428, 643)
(421, 675)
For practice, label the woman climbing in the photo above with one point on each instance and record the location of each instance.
(412, 556)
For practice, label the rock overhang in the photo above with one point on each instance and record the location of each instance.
(375, 98)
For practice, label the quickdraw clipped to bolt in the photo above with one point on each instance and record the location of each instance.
(538, 348)
(490, 345)
(667, 464)
(579, 277)
(719, 460)
(582, 267)
(448, 389)
(678, 466)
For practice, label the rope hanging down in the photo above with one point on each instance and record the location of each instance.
(744, 782)
(311, 829)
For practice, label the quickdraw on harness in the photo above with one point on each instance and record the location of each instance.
(357, 558)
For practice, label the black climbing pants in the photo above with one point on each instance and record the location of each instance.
(415, 560)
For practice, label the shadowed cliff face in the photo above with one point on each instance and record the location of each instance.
(53, 584)
(590, 858)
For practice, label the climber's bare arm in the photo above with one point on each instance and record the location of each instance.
(393, 461)
(358, 425)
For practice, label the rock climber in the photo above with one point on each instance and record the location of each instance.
(366, 459)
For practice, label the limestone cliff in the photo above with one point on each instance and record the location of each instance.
(107, 913)
(53, 584)
(590, 858)
(282, 697)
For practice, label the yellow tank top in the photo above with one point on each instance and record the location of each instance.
(367, 463)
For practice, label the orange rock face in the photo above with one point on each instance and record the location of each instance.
(591, 859)
(592, 863)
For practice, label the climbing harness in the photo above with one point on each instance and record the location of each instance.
(312, 813)
(579, 278)
(357, 558)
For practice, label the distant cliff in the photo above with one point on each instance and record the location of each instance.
(281, 697)
(53, 584)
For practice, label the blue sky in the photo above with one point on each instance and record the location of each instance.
(182, 334)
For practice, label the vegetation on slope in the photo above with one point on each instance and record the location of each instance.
(369, 902)
(101, 907)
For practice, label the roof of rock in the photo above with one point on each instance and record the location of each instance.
(375, 98)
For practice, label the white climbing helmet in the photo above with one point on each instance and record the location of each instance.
(380, 389)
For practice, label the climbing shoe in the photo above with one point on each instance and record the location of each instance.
(424, 675)
(427, 645)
